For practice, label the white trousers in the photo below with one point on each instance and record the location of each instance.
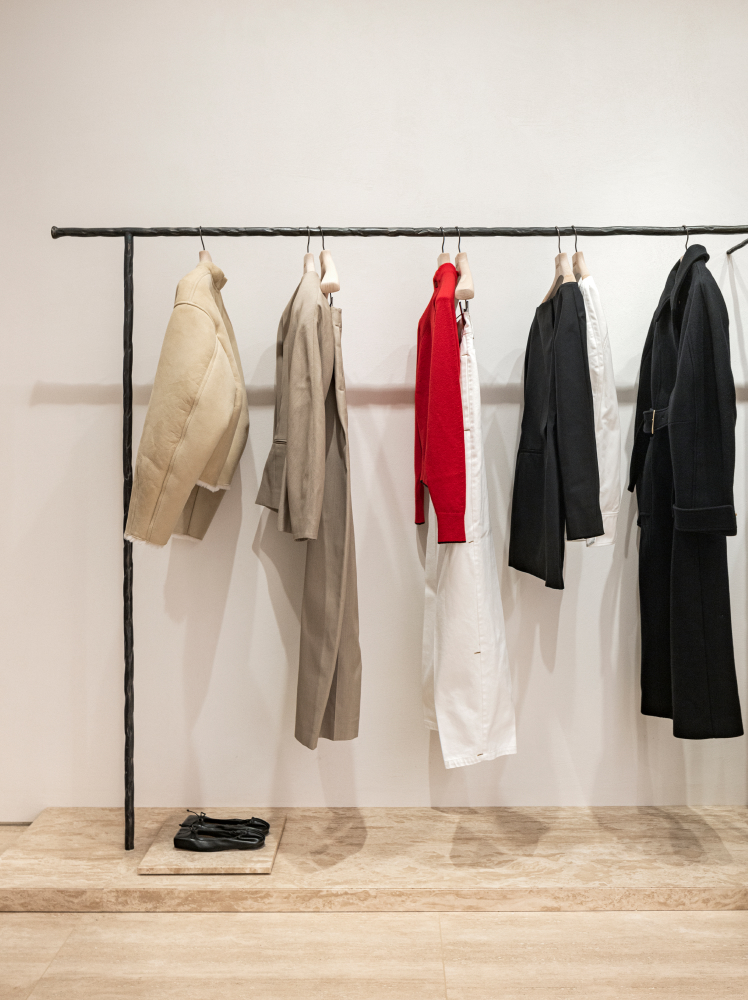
(467, 687)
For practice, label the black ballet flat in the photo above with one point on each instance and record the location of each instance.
(205, 839)
(254, 822)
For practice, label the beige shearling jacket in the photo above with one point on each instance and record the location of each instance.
(197, 421)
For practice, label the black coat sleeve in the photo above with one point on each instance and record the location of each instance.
(702, 414)
(575, 416)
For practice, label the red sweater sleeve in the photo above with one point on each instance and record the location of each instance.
(444, 461)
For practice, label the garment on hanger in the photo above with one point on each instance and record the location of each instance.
(307, 481)
(439, 437)
(682, 468)
(197, 421)
(556, 481)
(467, 687)
(605, 404)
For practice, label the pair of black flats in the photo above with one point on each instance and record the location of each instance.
(201, 833)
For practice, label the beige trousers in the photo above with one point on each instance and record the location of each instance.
(329, 691)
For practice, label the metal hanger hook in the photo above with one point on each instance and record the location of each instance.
(200, 230)
(686, 229)
(558, 233)
(575, 238)
(443, 237)
(323, 237)
(308, 238)
(459, 239)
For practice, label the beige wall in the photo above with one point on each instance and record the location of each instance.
(383, 113)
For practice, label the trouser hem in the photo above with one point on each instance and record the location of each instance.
(504, 751)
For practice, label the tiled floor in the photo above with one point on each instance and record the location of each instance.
(337, 956)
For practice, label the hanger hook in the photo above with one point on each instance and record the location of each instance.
(686, 229)
(575, 238)
(443, 237)
(459, 239)
(323, 237)
(308, 238)
(200, 230)
(558, 233)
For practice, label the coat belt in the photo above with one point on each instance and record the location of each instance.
(654, 420)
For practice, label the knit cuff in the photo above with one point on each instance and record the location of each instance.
(451, 527)
(717, 519)
(420, 517)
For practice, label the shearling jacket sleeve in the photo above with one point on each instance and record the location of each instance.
(702, 414)
(191, 422)
(305, 435)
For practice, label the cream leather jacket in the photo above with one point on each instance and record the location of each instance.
(197, 421)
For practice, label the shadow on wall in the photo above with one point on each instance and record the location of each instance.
(283, 561)
(195, 592)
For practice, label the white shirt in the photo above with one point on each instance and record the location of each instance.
(605, 401)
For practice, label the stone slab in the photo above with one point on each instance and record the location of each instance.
(441, 859)
(163, 858)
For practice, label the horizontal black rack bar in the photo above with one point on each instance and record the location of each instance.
(438, 231)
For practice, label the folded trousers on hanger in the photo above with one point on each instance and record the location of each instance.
(329, 688)
(467, 687)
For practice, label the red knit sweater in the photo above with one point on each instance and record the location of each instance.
(440, 436)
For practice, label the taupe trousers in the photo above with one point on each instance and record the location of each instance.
(307, 481)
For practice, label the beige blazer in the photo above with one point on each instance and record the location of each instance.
(307, 480)
(293, 482)
(197, 421)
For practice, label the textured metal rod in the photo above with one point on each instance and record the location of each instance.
(127, 549)
(435, 232)
(738, 246)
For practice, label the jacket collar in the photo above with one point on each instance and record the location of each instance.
(219, 278)
(692, 254)
(441, 273)
(678, 275)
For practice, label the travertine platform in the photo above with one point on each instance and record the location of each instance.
(674, 858)
(163, 858)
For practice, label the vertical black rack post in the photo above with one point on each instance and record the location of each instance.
(127, 547)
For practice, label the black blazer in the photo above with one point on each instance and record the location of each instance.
(556, 481)
(682, 468)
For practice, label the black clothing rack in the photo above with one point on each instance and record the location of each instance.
(130, 232)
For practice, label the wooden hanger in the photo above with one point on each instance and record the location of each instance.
(330, 280)
(578, 264)
(563, 272)
(465, 287)
(204, 257)
(443, 258)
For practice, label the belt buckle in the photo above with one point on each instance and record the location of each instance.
(653, 421)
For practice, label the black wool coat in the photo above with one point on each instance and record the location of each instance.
(682, 468)
(556, 481)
